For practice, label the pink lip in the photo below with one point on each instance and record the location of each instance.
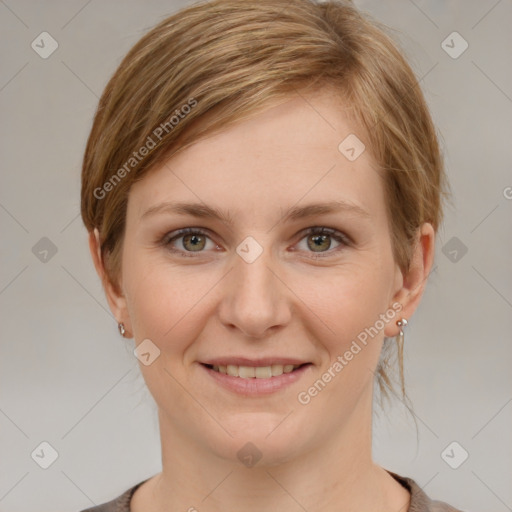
(243, 361)
(254, 386)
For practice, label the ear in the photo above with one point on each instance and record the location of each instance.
(413, 282)
(113, 293)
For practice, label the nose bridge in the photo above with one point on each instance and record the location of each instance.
(255, 298)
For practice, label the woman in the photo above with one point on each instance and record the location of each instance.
(262, 188)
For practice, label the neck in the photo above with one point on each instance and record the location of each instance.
(335, 474)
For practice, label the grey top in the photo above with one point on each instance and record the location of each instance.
(420, 502)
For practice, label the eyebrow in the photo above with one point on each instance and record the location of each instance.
(201, 210)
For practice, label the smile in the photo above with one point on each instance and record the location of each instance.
(255, 380)
(255, 372)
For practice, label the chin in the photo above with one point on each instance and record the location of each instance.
(256, 443)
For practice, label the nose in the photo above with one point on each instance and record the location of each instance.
(255, 298)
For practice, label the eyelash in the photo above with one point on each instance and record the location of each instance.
(317, 230)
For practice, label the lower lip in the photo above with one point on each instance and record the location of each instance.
(254, 386)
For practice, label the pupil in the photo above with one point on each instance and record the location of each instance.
(318, 239)
(195, 240)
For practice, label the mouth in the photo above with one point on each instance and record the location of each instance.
(254, 381)
(255, 372)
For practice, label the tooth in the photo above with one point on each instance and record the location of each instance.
(232, 370)
(277, 369)
(263, 372)
(259, 372)
(246, 372)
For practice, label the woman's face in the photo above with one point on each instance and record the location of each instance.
(257, 289)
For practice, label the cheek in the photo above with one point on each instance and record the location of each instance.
(161, 308)
(163, 301)
(351, 303)
(155, 303)
(349, 300)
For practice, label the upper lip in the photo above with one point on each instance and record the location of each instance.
(244, 361)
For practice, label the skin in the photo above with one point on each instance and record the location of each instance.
(285, 303)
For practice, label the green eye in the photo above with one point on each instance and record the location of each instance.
(195, 240)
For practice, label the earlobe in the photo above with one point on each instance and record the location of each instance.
(415, 279)
(115, 298)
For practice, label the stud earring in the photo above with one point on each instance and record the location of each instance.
(401, 323)
(121, 328)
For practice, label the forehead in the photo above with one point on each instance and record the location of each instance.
(287, 154)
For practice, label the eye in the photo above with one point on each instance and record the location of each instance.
(195, 240)
(319, 240)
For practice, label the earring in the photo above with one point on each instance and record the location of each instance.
(401, 323)
(121, 328)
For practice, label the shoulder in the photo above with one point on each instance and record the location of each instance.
(420, 502)
(119, 504)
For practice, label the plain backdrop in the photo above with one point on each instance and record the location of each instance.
(68, 379)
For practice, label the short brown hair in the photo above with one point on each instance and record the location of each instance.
(225, 60)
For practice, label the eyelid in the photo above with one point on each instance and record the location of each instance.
(174, 235)
(184, 231)
(321, 230)
(339, 236)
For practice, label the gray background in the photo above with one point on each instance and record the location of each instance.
(67, 378)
